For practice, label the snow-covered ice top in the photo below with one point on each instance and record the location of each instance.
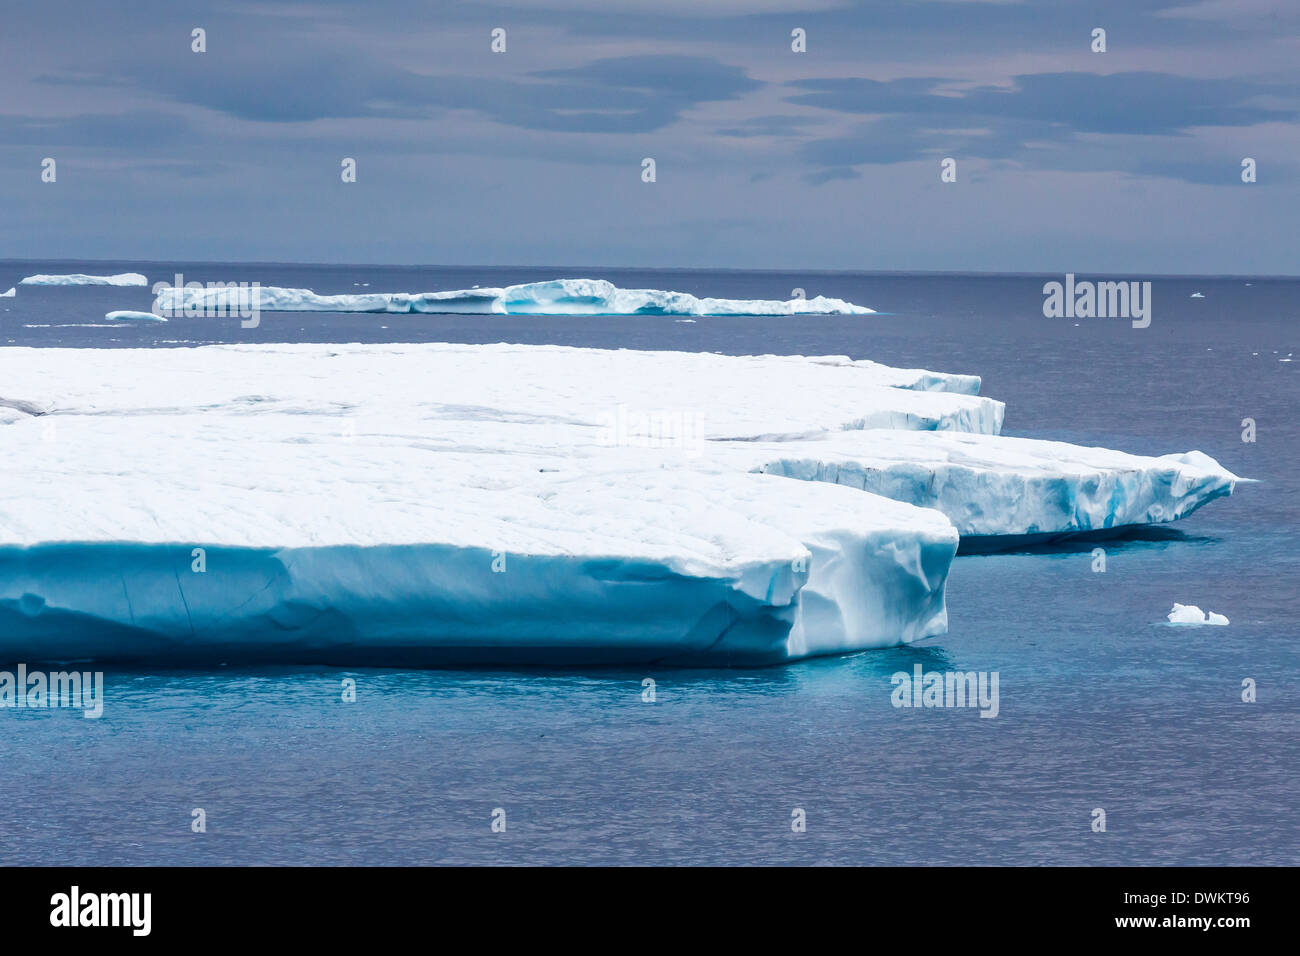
(1191, 614)
(121, 279)
(554, 297)
(741, 397)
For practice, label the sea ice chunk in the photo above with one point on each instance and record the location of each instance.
(126, 315)
(1191, 614)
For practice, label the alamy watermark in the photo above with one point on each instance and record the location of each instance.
(946, 689)
(1101, 300)
(23, 689)
(653, 428)
(197, 300)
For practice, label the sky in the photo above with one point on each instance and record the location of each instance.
(1127, 161)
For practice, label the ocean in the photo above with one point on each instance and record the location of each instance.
(1102, 704)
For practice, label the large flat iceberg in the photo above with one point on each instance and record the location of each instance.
(554, 297)
(504, 503)
(125, 279)
(372, 548)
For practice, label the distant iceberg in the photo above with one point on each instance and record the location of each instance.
(10, 294)
(598, 297)
(555, 297)
(126, 315)
(1191, 614)
(501, 503)
(121, 279)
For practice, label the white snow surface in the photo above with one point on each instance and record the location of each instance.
(352, 502)
(553, 297)
(121, 279)
(741, 397)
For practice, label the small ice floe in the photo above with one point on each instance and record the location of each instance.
(1198, 295)
(13, 291)
(1287, 359)
(1191, 614)
(126, 315)
(686, 321)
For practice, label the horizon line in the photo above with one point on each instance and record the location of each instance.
(967, 273)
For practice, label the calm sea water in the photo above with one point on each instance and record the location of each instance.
(1102, 705)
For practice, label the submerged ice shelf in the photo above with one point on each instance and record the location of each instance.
(505, 503)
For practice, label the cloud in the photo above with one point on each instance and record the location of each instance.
(629, 94)
(1042, 120)
(822, 176)
(132, 130)
(1136, 102)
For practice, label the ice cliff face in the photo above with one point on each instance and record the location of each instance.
(441, 503)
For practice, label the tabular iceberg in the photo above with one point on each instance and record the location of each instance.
(554, 297)
(128, 315)
(121, 279)
(314, 546)
(440, 503)
(1008, 490)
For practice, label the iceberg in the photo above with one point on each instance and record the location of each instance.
(430, 503)
(121, 279)
(598, 297)
(1001, 491)
(126, 315)
(379, 549)
(555, 297)
(1191, 614)
(10, 294)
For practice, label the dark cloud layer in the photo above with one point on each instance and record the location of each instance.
(618, 94)
(531, 153)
